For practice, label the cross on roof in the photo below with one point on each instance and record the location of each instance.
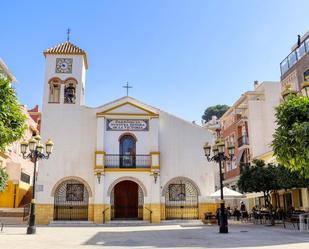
(68, 34)
(127, 86)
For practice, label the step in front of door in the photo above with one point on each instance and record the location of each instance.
(73, 223)
(127, 223)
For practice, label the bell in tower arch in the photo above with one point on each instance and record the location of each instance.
(69, 94)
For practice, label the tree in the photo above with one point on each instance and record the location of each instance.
(12, 119)
(259, 178)
(3, 179)
(12, 122)
(268, 178)
(216, 110)
(287, 179)
(291, 138)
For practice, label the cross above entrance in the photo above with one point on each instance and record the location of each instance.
(127, 86)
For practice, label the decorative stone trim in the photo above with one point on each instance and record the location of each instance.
(178, 179)
(67, 178)
(127, 178)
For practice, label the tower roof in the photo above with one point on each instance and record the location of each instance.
(67, 48)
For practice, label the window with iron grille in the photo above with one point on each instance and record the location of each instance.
(75, 192)
(177, 192)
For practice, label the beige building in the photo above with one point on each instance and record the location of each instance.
(295, 77)
(20, 171)
(249, 124)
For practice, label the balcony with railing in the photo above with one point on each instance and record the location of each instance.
(114, 161)
(294, 56)
(243, 140)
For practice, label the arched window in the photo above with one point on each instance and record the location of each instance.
(181, 199)
(54, 91)
(127, 151)
(70, 91)
(71, 201)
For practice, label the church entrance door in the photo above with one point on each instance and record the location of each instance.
(126, 200)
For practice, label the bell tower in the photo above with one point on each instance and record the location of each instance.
(65, 73)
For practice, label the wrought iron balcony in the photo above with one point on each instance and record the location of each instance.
(243, 140)
(127, 161)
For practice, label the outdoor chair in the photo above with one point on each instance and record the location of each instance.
(292, 219)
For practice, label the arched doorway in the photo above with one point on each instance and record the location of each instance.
(127, 151)
(181, 199)
(71, 201)
(127, 200)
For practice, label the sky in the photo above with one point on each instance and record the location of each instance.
(179, 55)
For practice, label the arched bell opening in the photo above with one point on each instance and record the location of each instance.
(70, 91)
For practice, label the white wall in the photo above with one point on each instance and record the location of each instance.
(181, 146)
(261, 118)
(73, 132)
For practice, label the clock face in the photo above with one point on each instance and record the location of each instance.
(64, 65)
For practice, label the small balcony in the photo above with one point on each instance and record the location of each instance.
(294, 56)
(116, 161)
(243, 140)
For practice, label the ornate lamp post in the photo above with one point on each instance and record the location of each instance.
(219, 156)
(35, 153)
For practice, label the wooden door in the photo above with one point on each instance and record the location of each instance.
(126, 200)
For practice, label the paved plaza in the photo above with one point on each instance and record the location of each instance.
(156, 236)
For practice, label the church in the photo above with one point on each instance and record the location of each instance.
(122, 160)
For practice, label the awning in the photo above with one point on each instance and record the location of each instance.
(227, 193)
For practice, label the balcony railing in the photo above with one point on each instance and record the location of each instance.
(243, 140)
(127, 161)
(294, 56)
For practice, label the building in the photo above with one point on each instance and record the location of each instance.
(20, 171)
(35, 114)
(5, 72)
(249, 124)
(295, 67)
(295, 76)
(122, 160)
(213, 125)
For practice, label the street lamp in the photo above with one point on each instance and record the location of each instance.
(36, 152)
(155, 173)
(305, 89)
(219, 156)
(287, 92)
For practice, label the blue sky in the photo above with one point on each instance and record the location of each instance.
(180, 56)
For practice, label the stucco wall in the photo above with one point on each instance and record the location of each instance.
(181, 146)
(261, 118)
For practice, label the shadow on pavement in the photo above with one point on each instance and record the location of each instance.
(200, 237)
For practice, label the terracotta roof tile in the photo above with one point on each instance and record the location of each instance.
(66, 48)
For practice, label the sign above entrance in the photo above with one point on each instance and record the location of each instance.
(127, 124)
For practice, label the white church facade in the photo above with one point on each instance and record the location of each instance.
(122, 160)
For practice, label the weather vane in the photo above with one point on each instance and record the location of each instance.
(127, 86)
(68, 34)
